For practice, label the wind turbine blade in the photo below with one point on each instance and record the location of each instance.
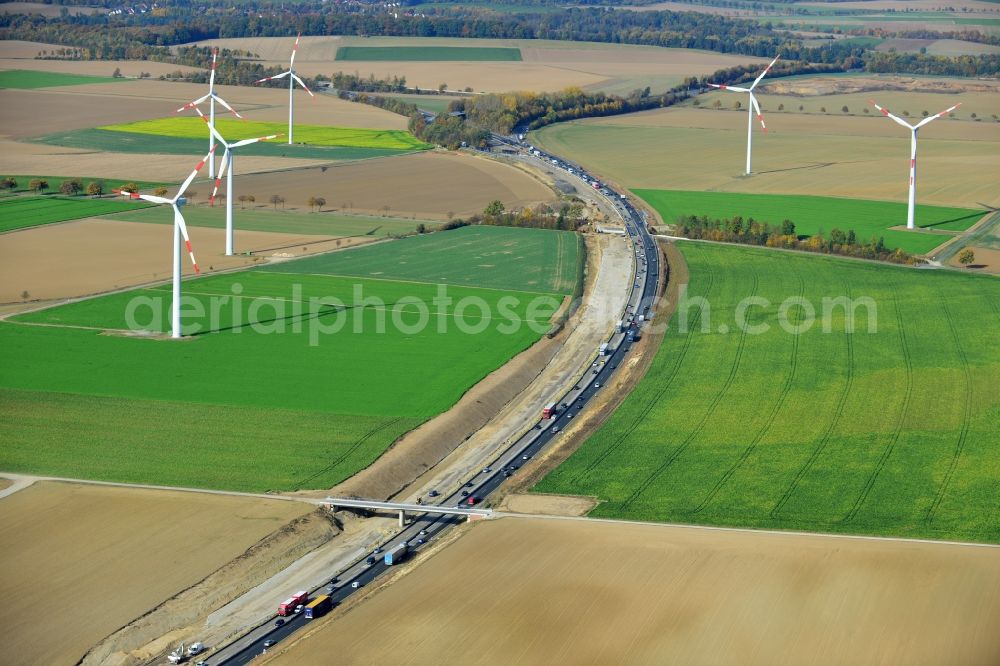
(295, 49)
(733, 88)
(226, 104)
(885, 112)
(194, 173)
(211, 127)
(179, 221)
(211, 77)
(247, 142)
(218, 176)
(760, 116)
(273, 78)
(154, 199)
(194, 104)
(937, 115)
(302, 83)
(764, 73)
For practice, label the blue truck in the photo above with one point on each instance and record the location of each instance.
(396, 555)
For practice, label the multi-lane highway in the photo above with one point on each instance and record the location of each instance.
(596, 375)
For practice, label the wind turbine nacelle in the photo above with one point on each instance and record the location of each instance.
(181, 201)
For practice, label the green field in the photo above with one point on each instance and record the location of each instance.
(819, 214)
(190, 127)
(500, 257)
(25, 79)
(893, 432)
(259, 397)
(428, 53)
(130, 142)
(32, 211)
(263, 218)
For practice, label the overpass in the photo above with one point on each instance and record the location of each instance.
(373, 505)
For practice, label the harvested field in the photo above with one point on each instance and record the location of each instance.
(866, 158)
(131, 69)
(407, 185)
(425, 53)
(987, 261)
(33, 112)
(547, 65)
(116, 553)
(20, 49)
(99, 255)
(580, 592)
(942, 47)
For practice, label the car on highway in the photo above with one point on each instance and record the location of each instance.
(486, 470)
(433, 493)
(370, 561)
(279, 622)
(378, 549)
(423, 532)
(356, 584)
(525, 457)
(465, 493)
(268, 643)
(472, 500)
(555, 429)
(597, 385)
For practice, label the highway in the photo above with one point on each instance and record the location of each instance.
(425, 527)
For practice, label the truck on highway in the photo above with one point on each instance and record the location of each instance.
(396, 555)
(621, 325)
(549, 410)
(603, 351)
(288, 606)
(318, 607)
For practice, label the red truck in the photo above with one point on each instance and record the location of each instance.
(288, 606)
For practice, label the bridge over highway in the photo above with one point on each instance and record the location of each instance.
(373, 505)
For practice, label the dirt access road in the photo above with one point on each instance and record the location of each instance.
(578, 591)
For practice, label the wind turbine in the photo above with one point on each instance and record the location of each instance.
(292, 79)
(913, 152)
(180, 229)
(212, 98)
(227, 169)
(753, 106)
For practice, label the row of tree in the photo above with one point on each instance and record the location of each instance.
(568, 216)
(751, 232)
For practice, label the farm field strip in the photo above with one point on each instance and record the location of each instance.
(813, 215)
(28, 211)
(809, 453)
(27, 80)
(347, 137)
(262, 218)
(428, 53)
(134, 142)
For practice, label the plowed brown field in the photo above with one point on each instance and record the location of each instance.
(542, 591)
(426, 185)
(79, 561)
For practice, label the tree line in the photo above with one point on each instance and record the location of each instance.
(751, 232)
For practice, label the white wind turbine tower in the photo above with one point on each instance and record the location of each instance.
(226, 168)
(292, 79)
(753, 106)
(212, 98)
(180, 229)
(913, 153)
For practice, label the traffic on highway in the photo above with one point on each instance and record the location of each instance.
(424, 527)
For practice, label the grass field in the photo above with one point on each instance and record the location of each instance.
(31, 211)
(501, 257)
(812, 215)
(24, 79)
(316, 135)
(260, 397)
(131, 142)
(266, 219)
(429, 53)
(892, 432)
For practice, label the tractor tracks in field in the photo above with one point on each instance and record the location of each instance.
(837, 414)
(966, 416)
(343, 456)
(897, 431)
(654, 399)
(733, 371)
(768, 421)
